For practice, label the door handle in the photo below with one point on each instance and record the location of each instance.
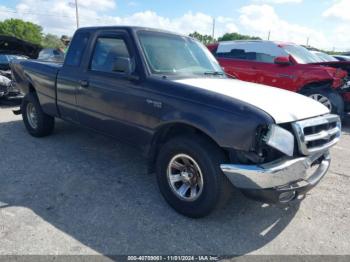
(84, 83)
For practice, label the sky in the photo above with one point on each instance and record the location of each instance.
(326, 23)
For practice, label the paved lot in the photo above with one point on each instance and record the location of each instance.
(77, 192)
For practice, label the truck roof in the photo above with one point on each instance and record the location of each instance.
(130, 28)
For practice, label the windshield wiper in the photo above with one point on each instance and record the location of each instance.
(214, 73)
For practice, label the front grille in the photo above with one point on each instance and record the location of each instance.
(317, 134)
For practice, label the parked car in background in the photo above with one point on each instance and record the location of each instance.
(287, 66)
(11, 49)
(324, 57)
(5, 60)
(331, 61)
(51, 55)
(342, 57)
(13, 46)
(327, 60)
(167, 95)
(7, 87)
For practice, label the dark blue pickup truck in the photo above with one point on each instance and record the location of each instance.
(200, 130)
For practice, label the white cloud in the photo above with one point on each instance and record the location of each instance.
(98, 5)
(58, 17)
(133, 4)
(6, 12)
(340, 9)
(260, 19)
(339, 13)
(280, 1)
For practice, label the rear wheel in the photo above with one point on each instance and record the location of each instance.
(329, 98)
(37, 123)
(189, 175)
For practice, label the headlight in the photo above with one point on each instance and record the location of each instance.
(280, 139)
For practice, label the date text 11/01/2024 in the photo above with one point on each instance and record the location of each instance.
(173, 258)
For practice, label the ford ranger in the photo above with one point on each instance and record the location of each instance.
(167, 95)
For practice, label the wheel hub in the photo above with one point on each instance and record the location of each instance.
(185, 177)
(32, 115)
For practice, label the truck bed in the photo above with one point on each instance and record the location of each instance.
(43, 76)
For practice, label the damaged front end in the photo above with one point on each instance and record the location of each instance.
(287, 161)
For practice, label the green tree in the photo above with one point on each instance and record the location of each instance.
(23, 30)
(205, 39)
(236, 36)
(52, 41)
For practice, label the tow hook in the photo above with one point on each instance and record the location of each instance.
(17, 111)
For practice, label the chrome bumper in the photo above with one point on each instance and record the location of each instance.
(279, 174)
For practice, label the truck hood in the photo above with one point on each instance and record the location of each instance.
(283, 106)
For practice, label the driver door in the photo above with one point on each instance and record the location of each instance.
(109, 101)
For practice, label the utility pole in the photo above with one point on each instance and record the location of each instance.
(213, 34)
(77, 13)
(307, 41)
(268, 36)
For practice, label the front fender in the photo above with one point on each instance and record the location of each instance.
(229, 130)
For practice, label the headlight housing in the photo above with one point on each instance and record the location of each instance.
(280, 139)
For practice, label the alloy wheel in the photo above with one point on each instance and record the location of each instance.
(185, 177)
(32, 116)
(323, 100)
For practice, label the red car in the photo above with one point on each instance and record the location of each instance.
(287, 66)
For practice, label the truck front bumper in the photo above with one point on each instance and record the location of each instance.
(280, 181)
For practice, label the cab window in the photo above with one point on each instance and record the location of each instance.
(107, 51)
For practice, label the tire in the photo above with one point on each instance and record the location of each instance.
(37, 123)
(328, 97)
(207, 157)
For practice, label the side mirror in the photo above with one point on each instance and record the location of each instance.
(122, 65)
(282, 60)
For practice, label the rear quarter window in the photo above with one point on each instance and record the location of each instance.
(77, 49)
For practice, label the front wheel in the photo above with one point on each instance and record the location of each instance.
(37, 123)
(329, 98)
(189, 175)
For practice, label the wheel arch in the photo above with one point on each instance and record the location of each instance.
(174, 129)
(31, 88)
(323, 85)
(325, 89)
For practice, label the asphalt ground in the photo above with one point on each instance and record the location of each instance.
(77, 192)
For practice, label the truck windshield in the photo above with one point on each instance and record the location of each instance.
(169, 54)
(301, 54)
